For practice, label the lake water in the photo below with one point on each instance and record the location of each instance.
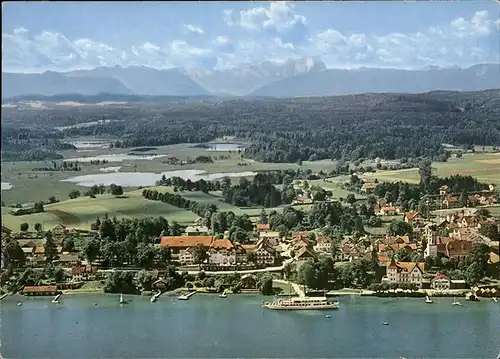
(237, 327)
(115, 157)
(6, 186)
(136, 179)
(93, 144)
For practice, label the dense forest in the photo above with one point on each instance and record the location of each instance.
(388, 126)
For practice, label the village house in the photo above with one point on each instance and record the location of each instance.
(265, 254)
(302, 200)
(442, 282)
(84, 273)
(389, 211)
(179, 244)
(444, 190)
(436, 244)
(412, 217)
(273, 238)
(67, 260)
(465, 234)
(222, 253)
(323, 244)
(394, 247)
(396, 239)
(197, 230)
(450, 202)
(351, 251)
(405, 272)
(455, 249)
(305, 254)
(186, 257)
(368, 187)
(467, 222)
(262, 226)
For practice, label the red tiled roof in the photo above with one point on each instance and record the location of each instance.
(411, 215)
(186, 241)
(406, 266)
(262, 226)
(221, 244)
(39, 250)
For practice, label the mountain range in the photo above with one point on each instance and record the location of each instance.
(292, 78)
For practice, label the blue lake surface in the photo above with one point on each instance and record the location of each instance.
(237, 327)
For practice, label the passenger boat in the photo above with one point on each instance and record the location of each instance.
(302, 303)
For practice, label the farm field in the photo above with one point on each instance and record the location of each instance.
(30, 186)
(82, 211)
(484, 166)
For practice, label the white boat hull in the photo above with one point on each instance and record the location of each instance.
(312, 307)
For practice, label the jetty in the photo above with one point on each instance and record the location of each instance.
(187, 296)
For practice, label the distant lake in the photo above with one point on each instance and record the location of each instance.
(223, 146)
(116, 157)
(237, 327)
(136, 179)
(84, 124)
(93, 144)
(6, 186)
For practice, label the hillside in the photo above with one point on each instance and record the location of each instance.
(369, 80)
(52, 83)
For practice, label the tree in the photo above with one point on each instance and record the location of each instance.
(404, 254)
(165, 255)
(120, 282)
(265, 284)
(200, 254)
(425, 173)
(38, 207)
(399, 228)
(351, 199)
(91, 250)
(252, 258)
(50, 249)
(463, 200)
(68, 245)
(478, 256)
(473, 274)
(59, 275)
(12, 254)
(74, 194)
(144, 280)
(145, 255)
(24, 227)
(115, 190)
(38, 227)
(490, 231)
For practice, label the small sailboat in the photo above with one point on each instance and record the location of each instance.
(385, 323)
(19, 304)
(223, 295)
(56, 299)
(328, 316)
(122, 301)
(495, 299)
(456, 302)
(428, 300)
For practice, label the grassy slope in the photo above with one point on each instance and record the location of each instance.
(485, 167)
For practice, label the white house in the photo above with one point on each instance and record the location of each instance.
(405, 272)
(222, 253)
(323, 245)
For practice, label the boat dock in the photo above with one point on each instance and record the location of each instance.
(187, 296)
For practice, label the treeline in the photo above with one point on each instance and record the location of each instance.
(187, 185)
(293, 130)
(259, 192)
(177, 200)
(31, 144)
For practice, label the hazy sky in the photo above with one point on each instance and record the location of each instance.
(65, 36)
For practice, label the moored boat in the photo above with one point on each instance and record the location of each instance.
(302, 303)
(56, 299)
(223, 295)
(456, 302)
(428, 300)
